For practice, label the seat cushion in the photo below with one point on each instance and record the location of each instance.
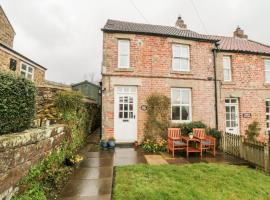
(179, 143)
(206, 142)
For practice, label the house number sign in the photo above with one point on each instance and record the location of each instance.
(144, 107)
(246, 115)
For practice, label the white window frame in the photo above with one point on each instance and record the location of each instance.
(232, 101)
(181, 104)
(267, 114)
(27, 71)
(180, 57)
(227, 66)
(121, 53)
(267, 71)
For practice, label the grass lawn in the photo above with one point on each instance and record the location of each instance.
(194, 181)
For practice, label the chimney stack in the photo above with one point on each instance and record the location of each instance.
(239, 33)
(180, 23)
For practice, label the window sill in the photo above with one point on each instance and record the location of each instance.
(228, 83)
(180, 121)
(130, 69)
(266, 84)
(181, 72)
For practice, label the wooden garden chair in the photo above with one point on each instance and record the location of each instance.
(208, 142)
(175, 141)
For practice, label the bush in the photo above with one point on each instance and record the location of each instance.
(154, 146)
(214, 132)
(157, 120)
(17, 103)
(186, 128)
(253, 130)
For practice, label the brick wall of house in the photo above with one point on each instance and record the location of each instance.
(248, 85)
(39, 74)
(150, 58)
(6, 32)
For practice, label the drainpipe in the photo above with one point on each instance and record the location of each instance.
(100, 93)
(215, 50)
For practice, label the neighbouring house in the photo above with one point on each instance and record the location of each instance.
(221, 81)
(89, 90)
(11, 60)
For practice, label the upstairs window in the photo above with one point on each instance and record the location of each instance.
(267, 70)
(180, 57)
(181, 104)
(227, 69)
(27, 71)
(123, 53)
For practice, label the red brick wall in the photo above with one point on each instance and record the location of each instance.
(248, 85)
(151, 71)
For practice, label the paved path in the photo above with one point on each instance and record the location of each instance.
(93, 179)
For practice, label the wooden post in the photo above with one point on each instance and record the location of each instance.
(223, 141)
(267, 158)
(241, 147)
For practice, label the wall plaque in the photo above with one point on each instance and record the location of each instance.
(246, 115)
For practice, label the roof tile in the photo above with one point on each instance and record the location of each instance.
(226, 43)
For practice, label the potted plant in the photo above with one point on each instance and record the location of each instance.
(103, 143)
(111, 142)
(190, 135)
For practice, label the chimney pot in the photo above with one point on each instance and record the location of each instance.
(239, 33)
(180, 23)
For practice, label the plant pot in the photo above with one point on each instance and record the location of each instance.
(111, 144)
(190, 136)
(104, 144)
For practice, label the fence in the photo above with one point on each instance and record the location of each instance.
(254, 152)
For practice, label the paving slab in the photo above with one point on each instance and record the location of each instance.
(91, 187)
(155, 160)
(94, 176)
(93, 173)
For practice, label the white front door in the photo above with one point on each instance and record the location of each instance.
(232, 113)
(125, 114)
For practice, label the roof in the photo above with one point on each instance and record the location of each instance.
(18, 54)
(241, 45)
(226, 43)
(7, 19)
(84, 82)
(149, 29)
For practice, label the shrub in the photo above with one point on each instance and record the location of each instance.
(253, 130)
(186, 128)
(154, 146)
(17, 103)
(157, 120)
(214, 132)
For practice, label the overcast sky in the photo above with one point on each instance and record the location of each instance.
(65, 37)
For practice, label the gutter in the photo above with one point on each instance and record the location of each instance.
(21, 57)
(159, 34)
(215, 50)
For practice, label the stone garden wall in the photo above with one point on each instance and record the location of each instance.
(20, 151)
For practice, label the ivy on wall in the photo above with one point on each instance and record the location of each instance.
(158, 113)
(17, 103)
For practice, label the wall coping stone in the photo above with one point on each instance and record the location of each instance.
(30, 136)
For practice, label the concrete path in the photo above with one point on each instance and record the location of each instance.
(93, 179)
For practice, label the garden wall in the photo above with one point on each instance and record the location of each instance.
(20, 151)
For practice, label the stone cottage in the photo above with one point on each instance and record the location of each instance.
(221, 81)
(11, 60)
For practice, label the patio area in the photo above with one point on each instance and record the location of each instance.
(94, 177)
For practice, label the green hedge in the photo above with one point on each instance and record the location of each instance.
(17, 103)
(186, 128)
